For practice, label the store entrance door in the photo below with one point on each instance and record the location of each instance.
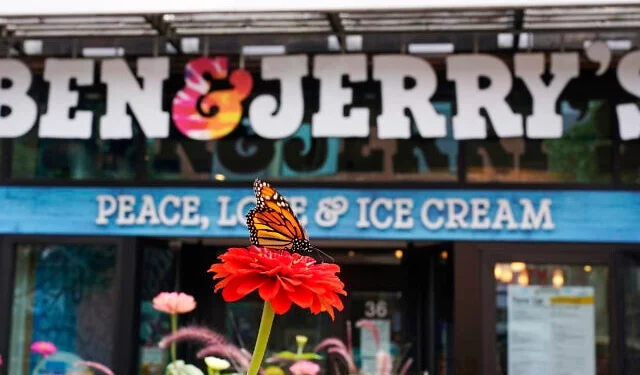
(406, 292)
(544, 309)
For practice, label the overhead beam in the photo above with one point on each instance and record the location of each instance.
(518, 21)
(164, 30)
(338, 30)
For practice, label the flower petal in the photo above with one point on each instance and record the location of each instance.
(302, 297)
(269, 289)
(251, 283)
(281, 303)
(281, 277)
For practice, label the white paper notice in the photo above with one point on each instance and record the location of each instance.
(367, 344)
(550, 330)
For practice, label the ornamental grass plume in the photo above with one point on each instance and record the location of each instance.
(383, 363)
(342, 351)
(202, 335)
(282, 279)
(334, 345)
(214, 343)
(406, 366)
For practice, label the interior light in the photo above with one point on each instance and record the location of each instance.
(219, 177)
(190, 45)
(497, 272)
(587, 268)
(444, 255)
(518, 266)
(333, 43)
(523, 278)
(398, 254)
(418, 48)
(507, 276)
(525, 40)
(353, 42)
(32, 47)
(351, 254)
(102, 51)
(558, 279)
(263, 50)
(505, 40)
(613, 44)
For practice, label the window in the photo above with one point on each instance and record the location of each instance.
(630, 162)
(243, 155)
(632, 317)
(94, 158)
(65, 295)
(582, 155)
(158, 275)
(550, 317)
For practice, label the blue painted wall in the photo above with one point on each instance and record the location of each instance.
(576, 216)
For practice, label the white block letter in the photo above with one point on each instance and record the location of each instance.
(391, 71)
(106, 207)
(330, 120)
(479, 212)
(145, 101)
(545, 122)
(267, 119)
(629, 79)
(57, 122)
(466, 71)
(24, 111)
(531, 220)
(424, 213)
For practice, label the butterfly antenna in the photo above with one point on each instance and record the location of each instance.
(329, 257)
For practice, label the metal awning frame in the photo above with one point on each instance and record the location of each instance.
(256, 28)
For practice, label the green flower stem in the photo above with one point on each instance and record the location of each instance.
(211, 371)
(174, 328)
(263, 337)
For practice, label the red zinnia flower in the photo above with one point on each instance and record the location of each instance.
(282, 278)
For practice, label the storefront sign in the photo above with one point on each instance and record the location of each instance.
(332, 213)
(550, 330)
(202, 111)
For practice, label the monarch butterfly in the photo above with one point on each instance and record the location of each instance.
(272, 223)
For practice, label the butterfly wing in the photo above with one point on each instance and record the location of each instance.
(272, 223)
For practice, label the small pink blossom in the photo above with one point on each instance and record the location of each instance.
(43, 348)
(174, 303)
(304, 368)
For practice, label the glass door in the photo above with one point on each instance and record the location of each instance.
(631, 320)
(552, 318)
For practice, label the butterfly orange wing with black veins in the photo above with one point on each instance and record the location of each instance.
(272, 223)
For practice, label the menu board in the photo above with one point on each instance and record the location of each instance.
(550, 330)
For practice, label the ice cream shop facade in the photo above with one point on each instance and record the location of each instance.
(473, 170)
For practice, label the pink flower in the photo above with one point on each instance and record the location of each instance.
(304, 368)
(174, 303)
(43, 348)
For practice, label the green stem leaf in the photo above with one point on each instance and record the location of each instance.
(263, 337)
(174, 328)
